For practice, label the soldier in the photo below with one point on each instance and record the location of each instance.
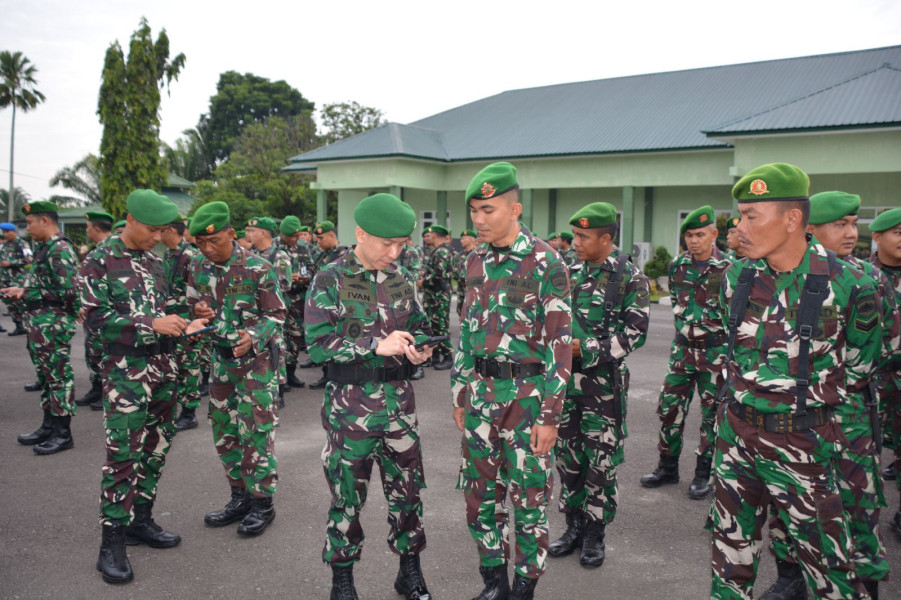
(243, 240)
(49, 297)
(15, 256)
(410, 259)
(99, 229)
(566, 251)
(436, 286)
(509, 378)
(611, 312)
(301, 265)
(364, 319)
(735, 251)
(833, 222)
(329, 252)
(554, 241)
(239, 292)
(119, 226)
(803, 328)
(179, 260)
(696, 357)
(468, 240)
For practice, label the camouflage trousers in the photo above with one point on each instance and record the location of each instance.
(589, 449)
(794, 472)
(496, 439)
(437, 307)
(347, 461)
(49, 344)
(93, 353)
(188, 359)
(294, 335)
(242, 414)
(139, 419)
(860, 487)
(461, 296)
(890, 415)
(16, 312)
(206, 351)
(689, 369)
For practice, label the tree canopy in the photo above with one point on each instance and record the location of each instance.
(344, 119)
(82, 178)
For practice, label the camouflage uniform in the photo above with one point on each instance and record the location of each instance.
(122, 292)
(593, 428)
(374, 420)
(179, 262)
(460, 275)
(569, 257)
(696, 356)
(280, 259)
(19, 255)
(890, 374)
(93, 344)
(410, 259)
(436, 286)
(754, 464)
(244, 293)
(49, 303)
(301, 262)
(516, 311)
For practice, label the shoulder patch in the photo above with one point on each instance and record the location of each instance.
(559, 281)
(642, 298)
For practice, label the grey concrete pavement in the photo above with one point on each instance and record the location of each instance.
(50, 536)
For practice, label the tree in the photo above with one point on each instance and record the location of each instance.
(83, 178)
(345, 119)
(17, 89)
(244, 99)
(20, 199)
(129, 107)
(659, 265)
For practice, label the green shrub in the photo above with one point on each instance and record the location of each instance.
(657, 266)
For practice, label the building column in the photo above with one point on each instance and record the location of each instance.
(396, 190)
(525, 198)
(648, 214)
(321, 205)
(628, 218)
(552, 210)
(441, 210)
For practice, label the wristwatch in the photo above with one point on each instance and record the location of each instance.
(373, 344)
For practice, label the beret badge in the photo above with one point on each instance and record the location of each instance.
(488, 190)
(702, 218)
(758, 187)
(583, 223)
(210, 228)
(27, 208)
(319, 230)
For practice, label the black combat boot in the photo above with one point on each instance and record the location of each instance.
(593, 548)
(523, 588)
(257, 520)
(667, 471)
(2, 329)
(187, 419)
(790, 584)
(700, 485)
(236, 509)
(144, 530)
(896, 523)
(60, 439)
(40, 434)
(19, 330)
(872, 586)
(307, 364)
(113, 561)
(571, 538)
(281, 395)
(497, 584)
(445, 362)
(419, 373)
(409, 582)
(343, 583)
(35, 386)
(93, 395)
(320, 383)
(890, 473)
(97, 404)
(204, 388)
(293, 381)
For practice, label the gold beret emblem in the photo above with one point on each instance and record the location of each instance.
(583, 223)
(254, 222)
(488, 190)
(758, 187)
(210, 228)
(735, 221)
(27, 208)
(702, 218)
(319, 230)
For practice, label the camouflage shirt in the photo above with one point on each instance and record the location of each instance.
(569, 257)
(53, 273)
(18, 254)
(328, 256)
(301, 263)
(844, 349)
(279, 259)
(459, 269)
(893, 277)
(411, 259)
(891, 323)
(695, 294)
(179, 263)
(627, 328)
(516, 309)
(439, 270)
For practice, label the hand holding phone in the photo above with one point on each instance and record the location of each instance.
(432, 341)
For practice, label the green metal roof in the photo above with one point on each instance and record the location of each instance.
(641, 113)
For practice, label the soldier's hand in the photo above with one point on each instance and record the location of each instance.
(543, 438)
(243, 345)
(459, 416)
(195, 325)
(202, 310)
(295, 277)
(395, 344)
(577, 347)
(419, 283)
(12, 293)
(416, 356)
(81, 315)
(5, 263)
(169, 325)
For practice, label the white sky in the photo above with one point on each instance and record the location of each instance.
(409, 59)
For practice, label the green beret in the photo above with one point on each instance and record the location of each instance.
(566, 236)
(732, 223)
(266, 223)
(553, 236)
(469, 232)
(699, 217)
(827, 207)
(290, 225)
(42, 206)
(98, 215)
(327, 226)
(493, 180)
(773, 182)
(304, 229)
(439, 229)
(119, 224)
(240, 234)
(384, 216)
(887, 220)
(151, 208)
(596, 214)
(210, 218)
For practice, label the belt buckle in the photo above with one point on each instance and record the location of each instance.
(760, 420)
(789, 423)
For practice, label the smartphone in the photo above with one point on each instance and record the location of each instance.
(435, 339)
(199, 331)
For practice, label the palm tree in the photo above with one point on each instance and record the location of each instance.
(16, 90)
(83, 178)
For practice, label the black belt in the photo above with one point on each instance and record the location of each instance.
(39, 304)
(606, 366)
(495, 369)
(356, 374)
(229, 352)
(782, 422)
(893, 365)
(710, 341)
(164, 346)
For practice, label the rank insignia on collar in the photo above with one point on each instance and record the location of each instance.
(702, 218)
(758, 187)
(487, 190)
(210, 228)
(583, 223)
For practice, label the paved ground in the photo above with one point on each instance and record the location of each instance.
(50, 536)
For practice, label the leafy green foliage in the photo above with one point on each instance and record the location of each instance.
(658, 265)
(82, 178)
(345, 119)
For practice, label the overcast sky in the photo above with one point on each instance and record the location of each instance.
(409, 59)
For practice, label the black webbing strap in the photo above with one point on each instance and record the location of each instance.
(816, 287)
(738, 306)
(612, 297)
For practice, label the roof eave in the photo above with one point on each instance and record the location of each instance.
(724, 135)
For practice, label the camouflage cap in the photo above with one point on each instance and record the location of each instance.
(384, 216)
(469, 232)
(98, 215)
(772, 182)
(324, 227)
(41, 206)
(494, 180)
(266, 223)
(699, 217)
(887, 220)
(596, 214)
(151, 208)
(827, 207)
(290, 225)
(732, 223)
(119, 224)
(210, 218)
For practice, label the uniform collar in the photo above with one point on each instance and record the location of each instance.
(813, 261)
(521, 246)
